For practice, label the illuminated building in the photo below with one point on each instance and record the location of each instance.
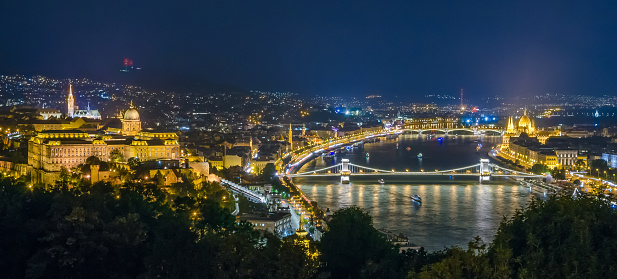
(526, 124)
(524, 144)
(432, 123)
(131, 124)
(51, 150)
(49, 113)
(278, 223)
(70, 102)
(71, 112)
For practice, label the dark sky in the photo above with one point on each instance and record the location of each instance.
(323, 47)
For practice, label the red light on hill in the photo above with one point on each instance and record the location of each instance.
(128, 62)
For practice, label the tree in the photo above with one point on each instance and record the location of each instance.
(18, 158)
(133, 232)
(216, 217)
(268, 172)
(64, 178)
(539, 169)
(559, 173)
(460, 263)
(580, 164)
(562, 237)
(598, 166)
(116, 156)
(93, 160)
(352, 245)
(133, 163)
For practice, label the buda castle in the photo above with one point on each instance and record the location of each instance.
(51, 150)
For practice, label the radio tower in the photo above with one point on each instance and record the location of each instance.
(462, 107)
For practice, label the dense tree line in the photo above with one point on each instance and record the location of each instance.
(98, 231)
(139, 231)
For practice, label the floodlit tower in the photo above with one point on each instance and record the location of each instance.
(511, 129)
(70, 102)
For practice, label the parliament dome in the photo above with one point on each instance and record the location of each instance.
(526, 124)
(525, 121)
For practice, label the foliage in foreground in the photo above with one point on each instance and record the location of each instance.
(102, 232)
(563, 237)
(137, 231)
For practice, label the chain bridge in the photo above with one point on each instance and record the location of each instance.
(484, 170)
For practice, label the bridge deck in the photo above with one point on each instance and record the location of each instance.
(483, 169)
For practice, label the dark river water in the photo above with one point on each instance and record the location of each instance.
(453, 211)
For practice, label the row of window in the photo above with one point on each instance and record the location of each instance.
(68, 161)
(156, 154)
(100, 151)
(572, 154)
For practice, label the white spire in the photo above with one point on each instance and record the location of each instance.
(70, 102)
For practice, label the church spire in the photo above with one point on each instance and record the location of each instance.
(511, 129)
(70, 102)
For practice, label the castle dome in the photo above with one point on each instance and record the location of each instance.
(131, 113)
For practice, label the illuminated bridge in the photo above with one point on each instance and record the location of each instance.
(474, 130)
(484, 170)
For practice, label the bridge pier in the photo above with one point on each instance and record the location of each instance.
(345, 172)
(485, 170)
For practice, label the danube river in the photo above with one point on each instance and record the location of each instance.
(453, 210)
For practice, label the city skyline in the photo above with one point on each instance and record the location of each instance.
(323, 139)
(345, 49)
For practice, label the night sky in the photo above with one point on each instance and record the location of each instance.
(341, 48)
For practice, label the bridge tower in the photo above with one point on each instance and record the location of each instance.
(485, 170)
(345, 172)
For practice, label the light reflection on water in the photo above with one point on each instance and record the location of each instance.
(452, 212)
(449, 214)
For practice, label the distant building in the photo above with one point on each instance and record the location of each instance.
(71, 108)
(83, 124)
(260, 163)
(432, 123)
(611, 159)
(49, 113)
(277, 223)
(225, 161)
(529, 151)
(51, 150)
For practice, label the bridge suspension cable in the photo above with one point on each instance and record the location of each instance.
(473, 170)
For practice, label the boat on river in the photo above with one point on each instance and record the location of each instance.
(419, 155)
(416, 198)
(381, 181)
